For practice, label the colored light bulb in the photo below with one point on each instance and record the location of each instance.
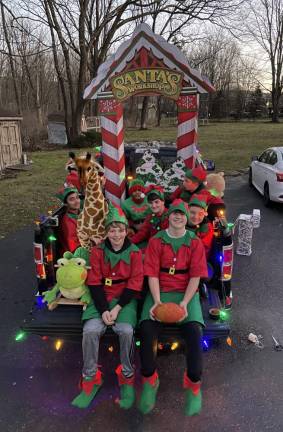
(58, 344)
(20, 336)
(174, 346)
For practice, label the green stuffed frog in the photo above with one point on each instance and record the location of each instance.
(71, 276)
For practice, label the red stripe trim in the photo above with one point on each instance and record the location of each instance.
(113, 165)
(186, 115)
(186, 140)
(111, 139)
(189, 162)
(115, 189)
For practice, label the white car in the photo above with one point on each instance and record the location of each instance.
(266, 174)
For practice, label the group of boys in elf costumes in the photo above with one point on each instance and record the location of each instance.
(176, 243)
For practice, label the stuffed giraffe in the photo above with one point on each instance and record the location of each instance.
(90, 225)
(82, 165)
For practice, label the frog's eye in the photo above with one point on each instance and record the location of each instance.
(62, 262)
(79, 261)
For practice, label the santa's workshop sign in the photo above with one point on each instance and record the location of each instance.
(166, 82)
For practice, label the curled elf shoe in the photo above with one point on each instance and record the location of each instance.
(193, 401)
(127, 389)
(149, 392)
(89, 387)
(228, 303)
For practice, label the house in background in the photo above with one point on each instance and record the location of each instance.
(10, 139)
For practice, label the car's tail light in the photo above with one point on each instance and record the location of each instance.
(227, 263)
(279, 177)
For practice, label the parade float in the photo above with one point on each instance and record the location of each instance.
(144, 65)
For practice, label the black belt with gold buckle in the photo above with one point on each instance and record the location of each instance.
(173, 270)
(110, 282)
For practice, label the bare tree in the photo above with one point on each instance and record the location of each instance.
(82, 34)
(264, 24)
(177, 22)
(7, 39)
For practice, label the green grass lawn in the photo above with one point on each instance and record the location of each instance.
(31, 193)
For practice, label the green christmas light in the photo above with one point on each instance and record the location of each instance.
(138, 343)
(230, 225)
(52, 238)
(20, 336)
(223, 315)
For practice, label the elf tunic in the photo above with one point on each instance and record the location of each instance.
(68, 237)
(185, 195)
(107, 268)
(134, 212)
(174, 262)
(73, 179)
(205, 233)
(152, 224)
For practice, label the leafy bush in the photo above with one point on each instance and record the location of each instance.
(87, 139)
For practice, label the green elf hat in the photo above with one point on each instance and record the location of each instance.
(179, 205)
(153, 189)
(198, 201)
(136, 184)
(115, 214)
(197, 174)
(65, 191)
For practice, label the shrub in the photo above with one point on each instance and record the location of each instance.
(87, 139)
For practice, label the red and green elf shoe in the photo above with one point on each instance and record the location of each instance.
(149, 392)
(193, 396)
(89, 387)
(127, 390)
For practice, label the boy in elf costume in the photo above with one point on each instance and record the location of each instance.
(157, 220)
(136, 206)
(199, 223)
(174, 263)
(68, 237)
(193, 183)
(114, 281)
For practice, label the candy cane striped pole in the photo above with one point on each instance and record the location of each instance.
(187, 136)
(112, 131)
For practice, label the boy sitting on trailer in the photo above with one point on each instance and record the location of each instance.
(174, 263)
(193, 183)
(114, 281)
(157, 220)
(199, 223)
(136, 207)
(68, 237)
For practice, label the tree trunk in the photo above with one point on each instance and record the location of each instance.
(13, 72)
(144, 112)
(37, 99)
(159, 113)
(275, 106)
(59, 73)
(76, 129)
